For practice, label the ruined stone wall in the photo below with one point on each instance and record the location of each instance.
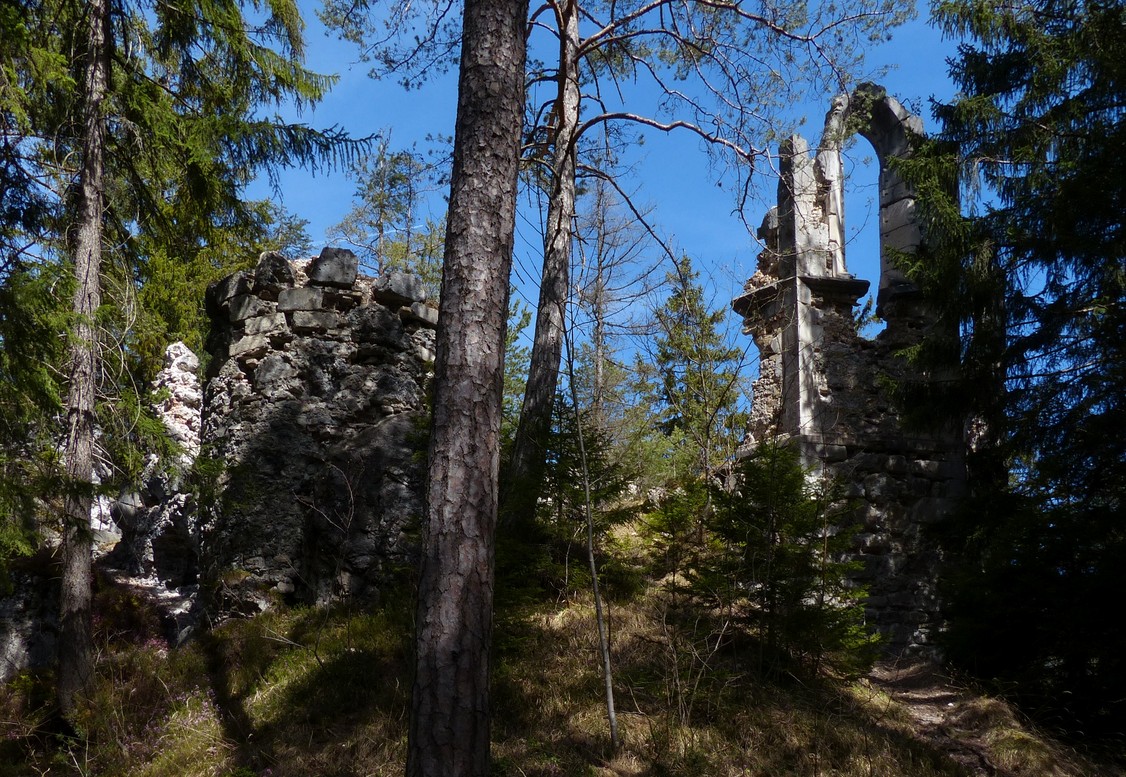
(308, 445)
(825, 389)
(314, 409)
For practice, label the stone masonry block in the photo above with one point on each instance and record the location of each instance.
(931, 510)
(905, 237)
(305, 321)
(829, 452)
(897, 214)
(300, 299)
(221, 292)
(893, 189)
(342, 299)
(246, 306)
(928, 468)
(421, 312)
(272, 274)
(398, 288)
(335, 267)
(265, 325)
(249, 347)
(897, 464)
(273, 371)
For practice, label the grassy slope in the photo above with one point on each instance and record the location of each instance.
(315, 692)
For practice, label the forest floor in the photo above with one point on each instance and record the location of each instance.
(933, 703)
(313, 691)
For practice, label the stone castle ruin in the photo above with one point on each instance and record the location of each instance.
(303, 440)
(305, 436)
(823, 387)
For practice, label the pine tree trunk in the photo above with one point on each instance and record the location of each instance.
(449, 727)
(75, 653)
(526, 467)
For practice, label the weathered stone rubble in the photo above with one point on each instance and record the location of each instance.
(824, 387)
(159, 538)
(314, 410)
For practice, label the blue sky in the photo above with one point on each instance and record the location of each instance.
(672, 175)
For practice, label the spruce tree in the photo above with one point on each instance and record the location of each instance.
(697, 387)
(1027, 274)
(780, 569)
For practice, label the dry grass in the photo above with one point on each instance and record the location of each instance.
(686, 705)
(985, 732)
(1016, 745)
(313, 692)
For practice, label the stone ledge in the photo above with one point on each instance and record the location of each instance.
(837, 287)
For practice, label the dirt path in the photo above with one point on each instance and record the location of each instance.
(936, 708)
(986, 736)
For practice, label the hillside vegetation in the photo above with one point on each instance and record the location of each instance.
(326, 692)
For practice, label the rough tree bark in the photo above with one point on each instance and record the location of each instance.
(525, 469)
(75, 653)
(449, 727)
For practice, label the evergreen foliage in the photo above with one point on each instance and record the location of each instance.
(30, 324)
(515, 367)
(780, 564)
(182, 143)
(770, 554)
(563, 497)
(129, 133)
(172, 286)
(697, 387)
(1031, 290)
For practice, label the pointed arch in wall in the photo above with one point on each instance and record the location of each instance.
(891, 130)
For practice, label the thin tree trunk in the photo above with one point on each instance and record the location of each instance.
(75, 652)
(600, 619)
(525, 469)
(588, 513)
(449, 725)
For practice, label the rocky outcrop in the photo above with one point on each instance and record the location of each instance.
(178, 399)
(314, 423)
